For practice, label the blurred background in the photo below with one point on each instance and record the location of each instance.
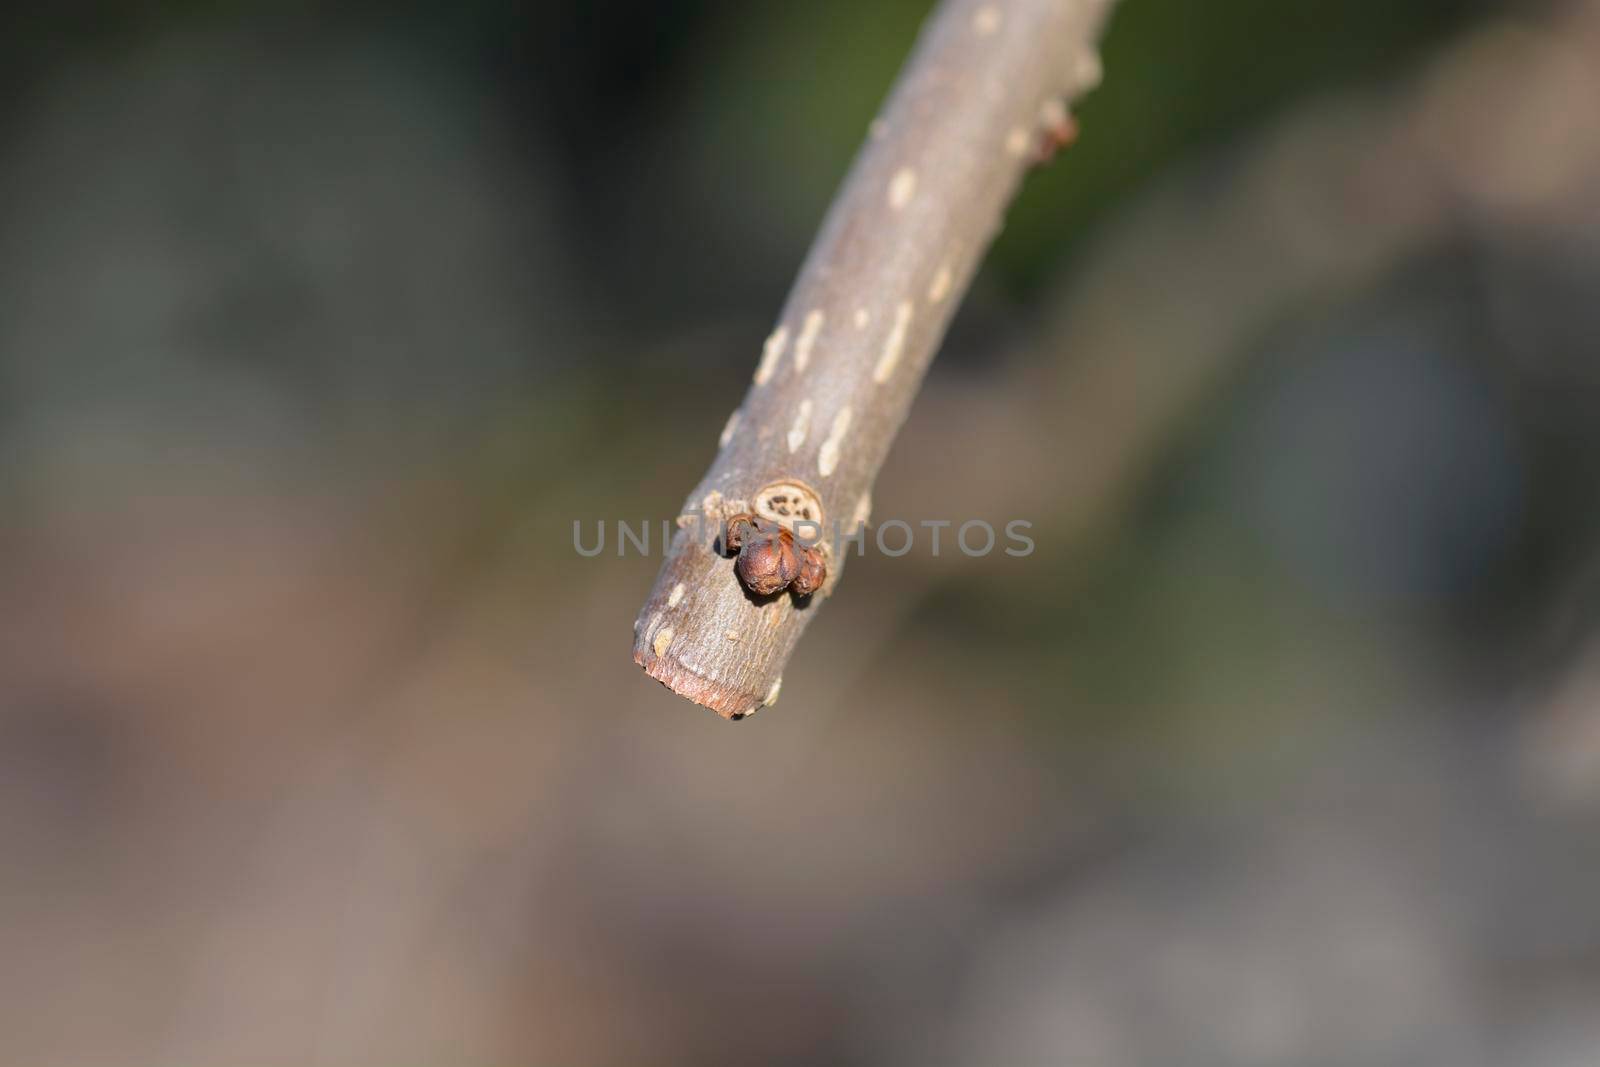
(321, 323)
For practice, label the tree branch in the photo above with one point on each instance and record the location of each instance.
(982, 96)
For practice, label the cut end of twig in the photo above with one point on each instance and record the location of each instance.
(704, 636)
(730, 702)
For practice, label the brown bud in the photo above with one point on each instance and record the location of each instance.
(813, 572)
(767, 562)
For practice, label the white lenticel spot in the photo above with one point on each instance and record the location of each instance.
(986, 20)
(771, 353)
(828, 458)
(895, 345)
(863, 510)
(727, 430)
(808, 337)
(1088, 72)
(902, 187)
(1017, 141)
(802, 426)
(941, 285)
(676, 596)
(662, 642)
(772, 694)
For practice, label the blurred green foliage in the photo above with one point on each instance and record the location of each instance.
(793, 86)
(1205, 71)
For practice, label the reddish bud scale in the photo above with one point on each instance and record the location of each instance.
(769, 561)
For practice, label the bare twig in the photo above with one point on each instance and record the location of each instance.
(983, 95)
